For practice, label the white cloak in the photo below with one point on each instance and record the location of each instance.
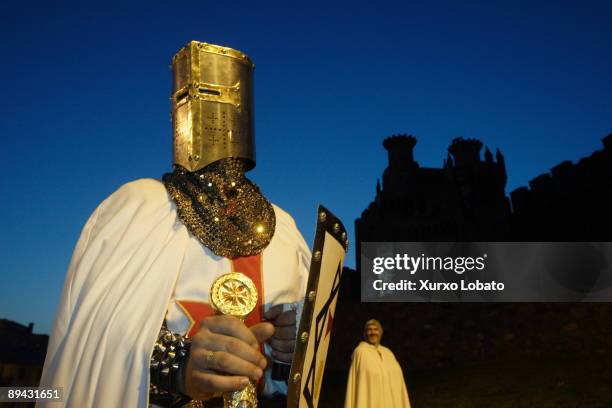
(375, 379)
(119, 285)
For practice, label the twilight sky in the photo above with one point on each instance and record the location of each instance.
(86, 104)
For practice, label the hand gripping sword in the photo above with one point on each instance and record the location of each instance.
(235, 294)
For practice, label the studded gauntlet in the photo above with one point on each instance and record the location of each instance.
(168, 362)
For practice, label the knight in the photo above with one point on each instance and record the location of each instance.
(135, 326)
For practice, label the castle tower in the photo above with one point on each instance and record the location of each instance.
(401, 167)
(484, 207)
(400, 151)
(465, 151)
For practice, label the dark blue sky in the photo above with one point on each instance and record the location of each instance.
(85, 104)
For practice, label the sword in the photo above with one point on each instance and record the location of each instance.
(235, 294)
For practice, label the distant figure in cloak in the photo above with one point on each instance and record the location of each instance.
(375, 378)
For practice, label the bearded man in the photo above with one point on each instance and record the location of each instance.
(375, 377)
(136, 325)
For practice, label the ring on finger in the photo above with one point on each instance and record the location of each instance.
(210, 358)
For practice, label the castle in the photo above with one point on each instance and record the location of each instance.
(465, 200)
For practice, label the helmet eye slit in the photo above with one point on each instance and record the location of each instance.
(209, 91)
(182, 95)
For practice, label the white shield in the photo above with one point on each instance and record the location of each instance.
(314, 334)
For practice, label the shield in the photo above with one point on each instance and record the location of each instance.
(314, 334)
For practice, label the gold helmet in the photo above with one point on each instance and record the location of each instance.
(212, 106)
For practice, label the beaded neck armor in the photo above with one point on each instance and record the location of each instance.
(222, 208)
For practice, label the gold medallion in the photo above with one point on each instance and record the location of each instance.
(233, 294)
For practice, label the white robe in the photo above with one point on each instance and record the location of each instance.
(375, 379)
(118, 288)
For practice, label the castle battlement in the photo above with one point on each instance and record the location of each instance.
(400, 150)
(465, 151)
